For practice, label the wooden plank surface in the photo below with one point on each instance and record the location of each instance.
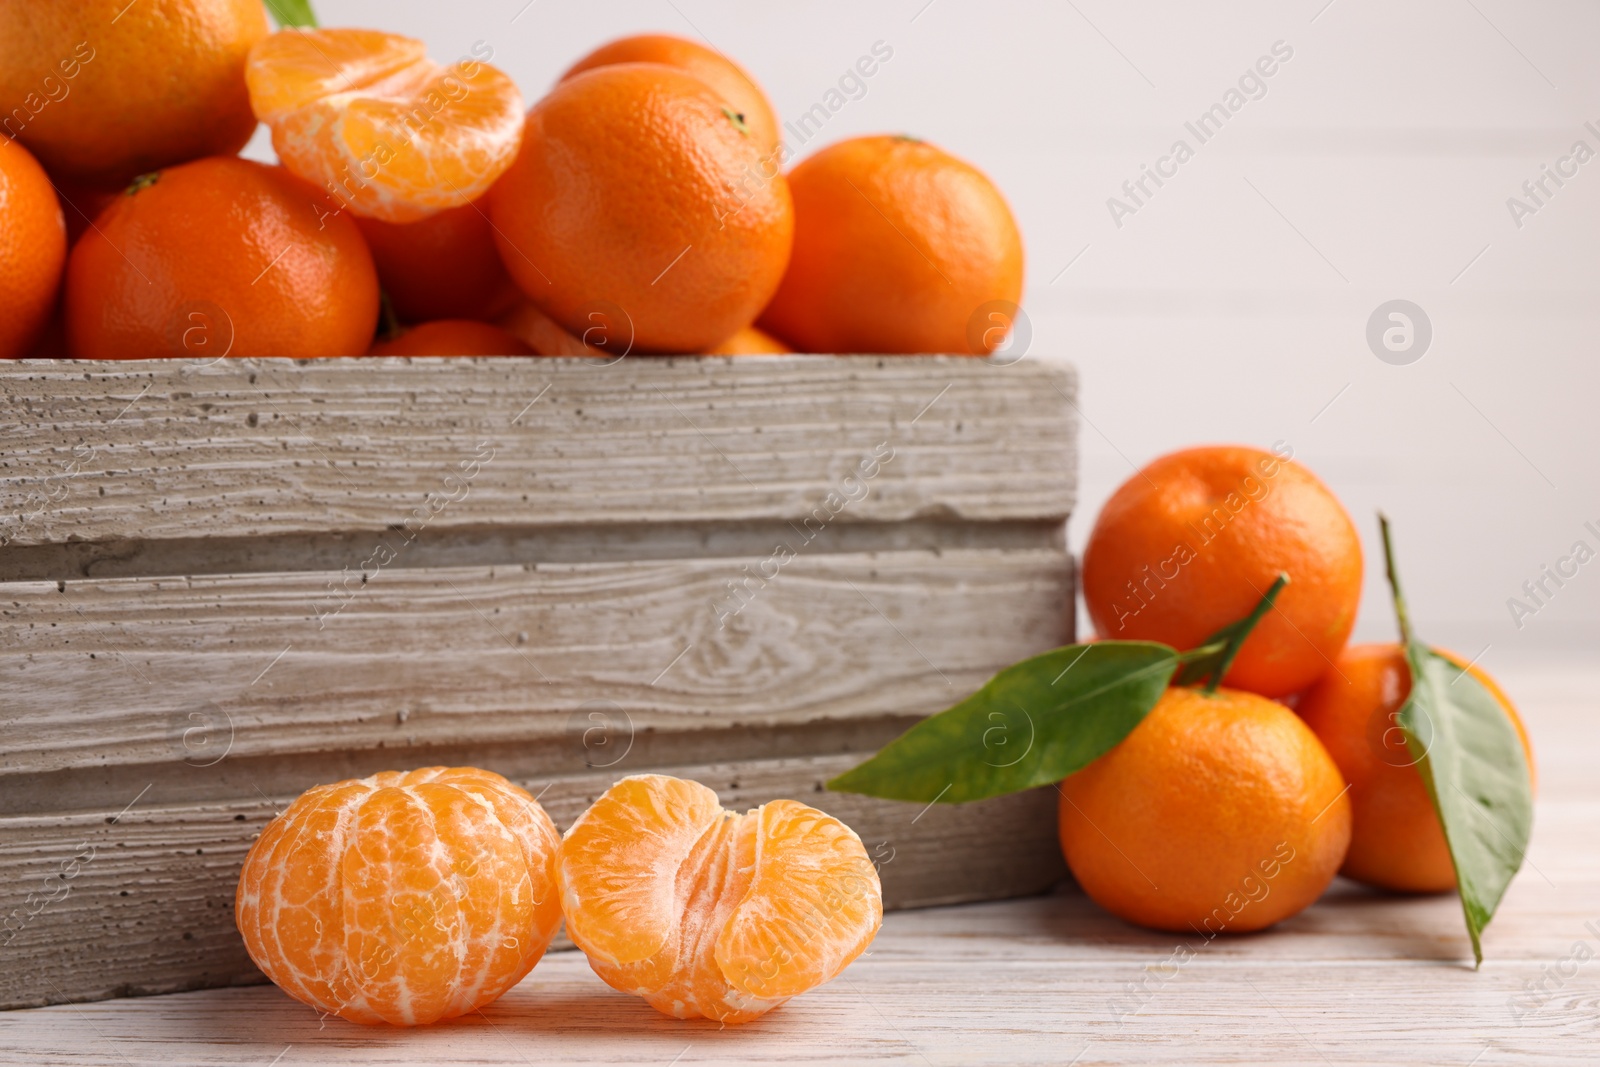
(102, 673)
(145, 452)
(1360, 977)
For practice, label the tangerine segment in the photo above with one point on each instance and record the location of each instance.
(642, 825)
(814, 889)
(402, 898)
(371, 119)
(752, 910)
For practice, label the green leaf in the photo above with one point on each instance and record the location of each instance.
(1212, 665)
(292, 13)
(1473, 764)
(1032, 724)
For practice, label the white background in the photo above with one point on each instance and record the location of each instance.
(1233, 305)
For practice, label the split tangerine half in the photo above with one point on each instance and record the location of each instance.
(403, 898)
(705, 912)
(370, 118)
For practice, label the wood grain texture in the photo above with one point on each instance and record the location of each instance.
(101, 452)
(139, 899)
(137, 671)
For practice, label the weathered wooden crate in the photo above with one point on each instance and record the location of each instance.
(221, 584)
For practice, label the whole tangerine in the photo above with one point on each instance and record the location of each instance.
(725, 76)
(637, 188)
(446, 266)
(220, 257)
(403, 898)
(1190, 543)
(899, 247)
(103, 90)
(1396, 841)
(750, 342)
(1218, 813)
(452, 337)
(33, 249)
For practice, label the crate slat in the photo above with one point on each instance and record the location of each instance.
(157, 450)
(134, 671)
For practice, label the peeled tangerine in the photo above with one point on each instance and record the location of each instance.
(705, 912)
(403, 898)
(368, 117)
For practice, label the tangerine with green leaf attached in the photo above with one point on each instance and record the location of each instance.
(403, 898)
(1188, 544)
(1396, 841)
(704, 912)
(1219, 813)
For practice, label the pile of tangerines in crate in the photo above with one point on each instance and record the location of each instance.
(645, 204)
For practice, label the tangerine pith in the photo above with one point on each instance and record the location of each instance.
(703, 912)
(403, 898)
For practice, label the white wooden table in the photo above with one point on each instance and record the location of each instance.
(1358, 978)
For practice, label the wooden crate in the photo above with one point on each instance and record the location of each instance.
(221, 584)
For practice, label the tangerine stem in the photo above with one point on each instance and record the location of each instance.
(1400, 612)
(1242, 631)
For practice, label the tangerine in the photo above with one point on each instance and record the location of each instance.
(370, 118)
(1190, 543)
(445, 266)
(452, 337)
(637, 189)
(607, 338)
(899, 247)
(33, 249)
(704, 912)
(750, 342)
(103, 90)
(403, 898)
(220, 257)
(725, 76)
(1218, 813)
(1396, 841)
